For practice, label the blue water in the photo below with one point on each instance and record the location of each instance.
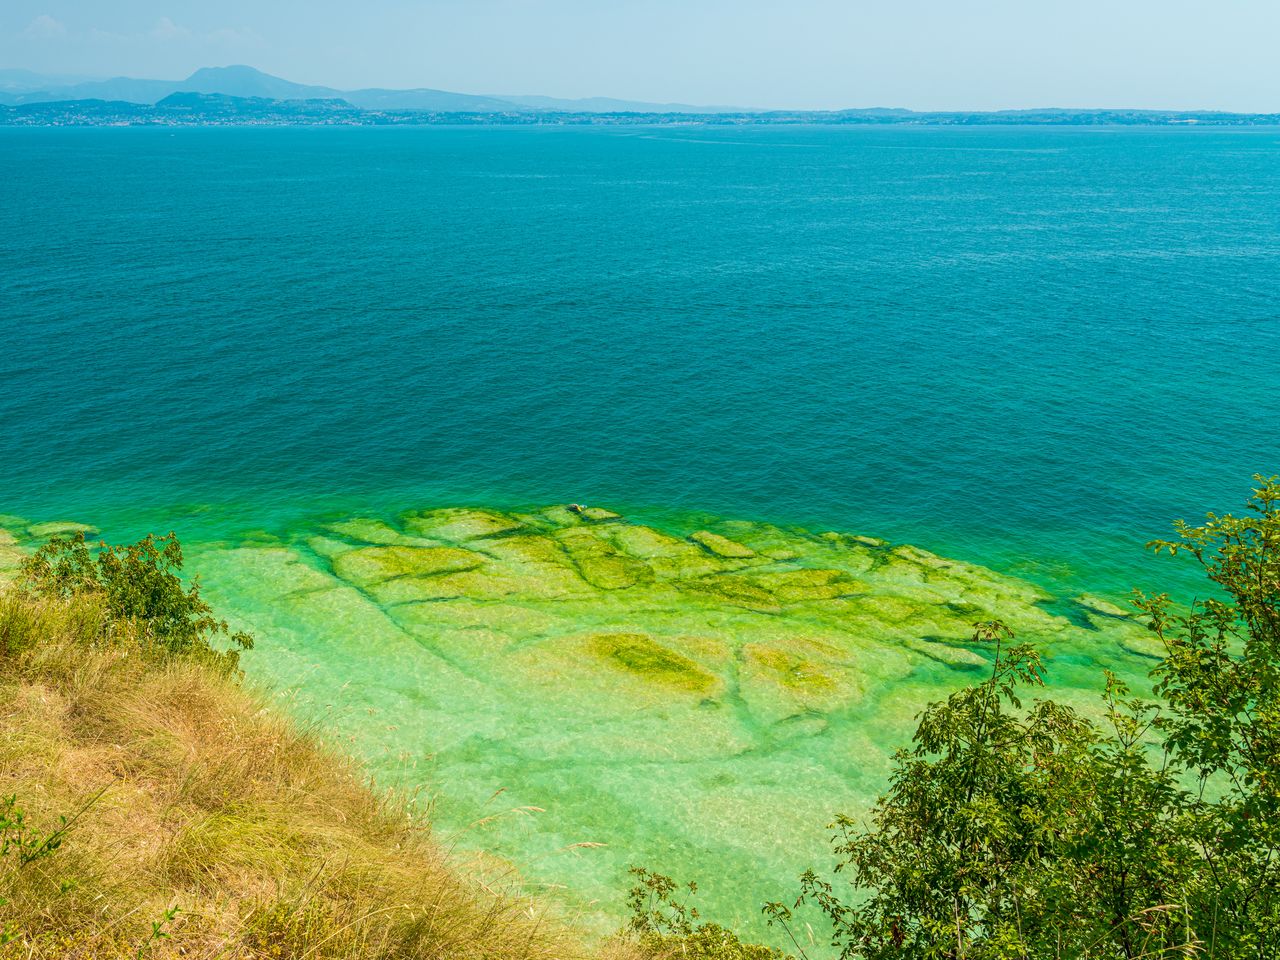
(1026, 347)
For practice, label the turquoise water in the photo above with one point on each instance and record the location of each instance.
(1024, 348)
(1032, 344)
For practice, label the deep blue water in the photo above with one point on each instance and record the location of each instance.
(1029, 347)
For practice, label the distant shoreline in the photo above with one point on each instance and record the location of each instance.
(200, 110)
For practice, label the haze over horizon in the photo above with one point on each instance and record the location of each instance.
(817, 54)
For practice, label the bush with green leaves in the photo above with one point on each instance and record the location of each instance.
(138, 585)
(664, 924)
(1220, 680)
(1022, 831)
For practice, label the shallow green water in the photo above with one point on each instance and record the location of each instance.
(579, 693)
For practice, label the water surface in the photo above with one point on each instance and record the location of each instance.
(1023, 348)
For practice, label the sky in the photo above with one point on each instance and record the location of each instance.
(814, 54)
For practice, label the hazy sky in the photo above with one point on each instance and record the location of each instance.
(925, 54)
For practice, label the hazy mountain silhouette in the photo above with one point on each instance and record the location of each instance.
(242, 81)
(22, 87)
(118, 88)
(18, 81)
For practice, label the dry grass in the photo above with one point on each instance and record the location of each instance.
(269, 843)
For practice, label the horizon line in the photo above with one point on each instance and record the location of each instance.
(76, 79)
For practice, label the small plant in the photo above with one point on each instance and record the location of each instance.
(158, 932)
(27, 845)
(16, 837)
(139, 585)
(663, 922)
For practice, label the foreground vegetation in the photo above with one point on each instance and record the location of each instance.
(156, 807)
(1015, 830)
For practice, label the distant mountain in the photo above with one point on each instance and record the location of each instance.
(22, 81)
(243, 81)
(119, 88)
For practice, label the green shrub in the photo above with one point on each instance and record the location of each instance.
(1029, 832)
(666, 926)
(139, 587)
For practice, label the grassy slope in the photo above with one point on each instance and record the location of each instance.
(270, 843)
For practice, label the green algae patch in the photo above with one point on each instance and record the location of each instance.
(793, 681)
(643, 657)
(790, 670)
(799, 586)
(721, 546)
(972, 611)
(367, 565)
(735, 590)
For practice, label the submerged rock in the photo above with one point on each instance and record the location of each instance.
(721, 546)
(1144, 644)
(792, 677)
(365, 530)
(600, 563)
(735, 590)
(458, 525)
(367, 565)
(667, 556)
(1096, 604)
(952, 656)
(59, 528)
(806, 584)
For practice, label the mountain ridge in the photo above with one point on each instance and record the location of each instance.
(240, 80)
